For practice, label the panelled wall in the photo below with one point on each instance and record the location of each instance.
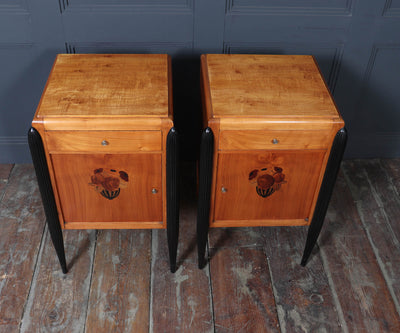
(356, 44)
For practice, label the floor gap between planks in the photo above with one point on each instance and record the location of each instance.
(352, 279)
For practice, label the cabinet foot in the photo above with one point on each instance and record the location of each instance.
(46, 191)
(172, 196)
(205, 178)
(328, 183)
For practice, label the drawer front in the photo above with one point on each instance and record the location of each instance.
(274, 140)
(109, 187)
(103, 141)
(266, 185)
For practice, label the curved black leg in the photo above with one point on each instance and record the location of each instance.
(325, 192)
(205, 178)
(172, 196)
(46, 191)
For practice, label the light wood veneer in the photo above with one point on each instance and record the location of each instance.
(266, 112)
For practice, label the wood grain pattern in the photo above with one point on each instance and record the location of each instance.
(103, 123)
(126, 101)
(180, 302)
(108, 84)
(349, 236)
(119, 297)
(267, 85)
(301, 170)
(5, 170)
(22, 222)
(92, 141)
(236, 237)
(58, 302)
(378, 204)
(289, 139)
(243, 297)
(80, 202)
(272, 104)
(303, 297)
(348, 278)
(275, 123)
(392, 167)
(350, 262)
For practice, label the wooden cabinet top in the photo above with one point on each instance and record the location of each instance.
(265, 86)
(107, 86)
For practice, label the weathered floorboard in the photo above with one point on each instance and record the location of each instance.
(242, 292)
(119, 294)
(378, 206)
(303, 298)
(253, 278)
(58, 302)
(235, 237)
(365, 301)
(22, 222)
(392, 167)
(385, 195)
(5, 170)
(180, 302)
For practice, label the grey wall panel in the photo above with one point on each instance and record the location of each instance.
(123, 6)
(379, 105)
(391, 8)
(304, 7)
(356, 43)
(20, 90)
(170, 48)
(14, 21)
(134, 21)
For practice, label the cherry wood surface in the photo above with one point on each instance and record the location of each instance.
(274, 140)
(107, 84)
(271, 104)
(103, 141)
(106, 111)
(267, 85)
(119, 280)
(240, 173)
(80, 197)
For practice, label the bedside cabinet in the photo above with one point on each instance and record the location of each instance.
(272, 144)
(104, 147)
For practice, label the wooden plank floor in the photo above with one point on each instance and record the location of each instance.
(119, 280)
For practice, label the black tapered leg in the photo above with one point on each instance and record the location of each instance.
(172, 196)
(46, 191)
(205, 178)
(325, 193)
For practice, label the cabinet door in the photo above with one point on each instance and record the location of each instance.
(109, 187)
(277, 185)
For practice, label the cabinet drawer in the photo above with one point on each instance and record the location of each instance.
(253, 140)
(103, 141)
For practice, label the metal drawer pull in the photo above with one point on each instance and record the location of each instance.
(154, 191)
(275, 141)
(224, 190)
(104, 143)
